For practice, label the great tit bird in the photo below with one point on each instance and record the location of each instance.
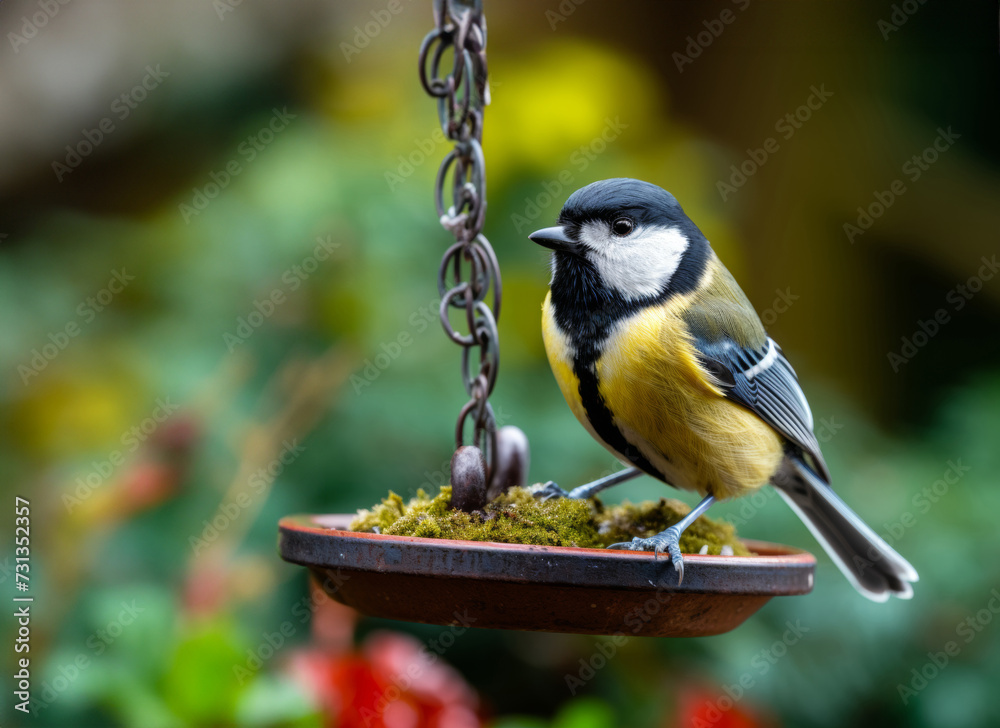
(664, 361)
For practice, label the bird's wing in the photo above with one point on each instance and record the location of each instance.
(754, 373)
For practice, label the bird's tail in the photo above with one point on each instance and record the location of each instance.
(872, 565)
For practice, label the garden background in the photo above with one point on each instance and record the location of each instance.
(218, 252)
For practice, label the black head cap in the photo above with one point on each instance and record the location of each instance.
(645, 203)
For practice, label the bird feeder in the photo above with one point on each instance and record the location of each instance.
(500, 585)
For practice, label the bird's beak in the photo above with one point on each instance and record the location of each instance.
(554, 238)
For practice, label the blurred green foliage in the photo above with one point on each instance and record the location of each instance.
(266, 317)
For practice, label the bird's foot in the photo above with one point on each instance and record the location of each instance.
(548, 491)
(666, 541)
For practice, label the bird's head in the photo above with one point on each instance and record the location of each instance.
(632, 235)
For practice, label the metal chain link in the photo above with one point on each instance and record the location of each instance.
(469, 269)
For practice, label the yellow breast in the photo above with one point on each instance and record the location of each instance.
(560, 352)
(665, 404)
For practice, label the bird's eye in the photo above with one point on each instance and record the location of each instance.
(622, 226)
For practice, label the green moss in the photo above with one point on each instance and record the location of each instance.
(518, 517)
(625, 521)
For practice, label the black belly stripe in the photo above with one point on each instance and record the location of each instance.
(602, 421)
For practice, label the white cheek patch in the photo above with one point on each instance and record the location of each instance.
(639, 264)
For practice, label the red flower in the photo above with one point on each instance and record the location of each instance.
(393, 682)
(701, 708)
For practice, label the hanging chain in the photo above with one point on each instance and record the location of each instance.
(469, 269)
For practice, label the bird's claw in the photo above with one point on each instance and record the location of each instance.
(548, 491)
(668, 541)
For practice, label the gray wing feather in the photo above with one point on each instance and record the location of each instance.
(764, 382)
